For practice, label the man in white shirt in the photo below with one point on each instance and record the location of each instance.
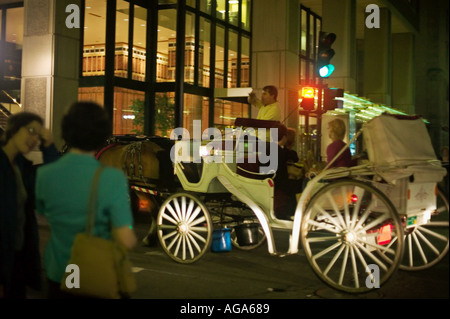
(268, 106)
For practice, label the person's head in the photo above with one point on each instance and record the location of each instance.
(86, 126)
(290, 135)
(281, 133)
(336, 129)
(22, 132)
(269, 95)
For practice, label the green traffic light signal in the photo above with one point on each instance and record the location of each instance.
(325, 54)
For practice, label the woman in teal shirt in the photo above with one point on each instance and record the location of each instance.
(63, 187)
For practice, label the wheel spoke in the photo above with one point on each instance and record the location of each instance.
(323, 226)
(434, 234)
(326, 251)
(419, 247)
(170, 219)
(332, 219)
(320, 239)
(333, 261)
(429, 244)
(354, 266)
(336, 210)
(173, 213)
(344, 265)
(372, 256)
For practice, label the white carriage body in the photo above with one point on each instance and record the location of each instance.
(403, 157)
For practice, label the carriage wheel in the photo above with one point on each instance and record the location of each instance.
(427, 244)
(344, 224)
(184, 228)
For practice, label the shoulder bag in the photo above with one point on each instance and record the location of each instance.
(104, 268)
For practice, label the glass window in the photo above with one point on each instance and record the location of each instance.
(94, 38)
(232, 59)
(128, 106)
(189, 53)
(122, 23)
(204, 53)
(164, 113)
(167, 1)
(220, 9)
(191, 3)
(94, 94)
(226, 112)
(12, 47)
(245, 17)
(139, 43)
(1, 16)
(205, 6)
(233, 11)
(220, 57)
(166, 51)
(195, 108)
(245, 62)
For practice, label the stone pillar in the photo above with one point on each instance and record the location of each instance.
(50, 61)
(275, 55)
(403, 72)
(378, 60)
(344, 26)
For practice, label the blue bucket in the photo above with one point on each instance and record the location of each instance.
(221, 240)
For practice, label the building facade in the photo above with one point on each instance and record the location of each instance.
(157, 65)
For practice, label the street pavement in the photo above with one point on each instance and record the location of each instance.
(256, 275)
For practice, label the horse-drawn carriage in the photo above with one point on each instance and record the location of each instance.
(356, 225)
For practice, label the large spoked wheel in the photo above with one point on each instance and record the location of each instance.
(184, 228)
(344, 224)
(427, 244)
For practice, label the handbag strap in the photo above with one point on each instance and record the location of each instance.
(92, 205)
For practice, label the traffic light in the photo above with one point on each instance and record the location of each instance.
(325, 53)
(308, 94)
(329, 95)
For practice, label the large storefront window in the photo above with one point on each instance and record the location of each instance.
(215, 53)
(226, 112)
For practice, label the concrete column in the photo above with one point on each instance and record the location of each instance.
(275, 56)
(403, 72)
(344, 26)
(50, 61)
(378, 60)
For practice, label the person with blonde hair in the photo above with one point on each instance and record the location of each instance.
(336, 132)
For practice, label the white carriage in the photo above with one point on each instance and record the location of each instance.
(356, 225)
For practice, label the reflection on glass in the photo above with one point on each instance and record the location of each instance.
(233, 11)
(191, 3)
(195, 108)
(232, 59)
(121, 55)
(12, 47)
(139, 43)
(205, 6)
(204, 53)
(220, 57)
(226, 112)
(245, 62)
(166, 50)
(94, 38)
(245, 17)
(189, 53)
(220, 9)
(128, 110)
(94, 94)
(164, 113)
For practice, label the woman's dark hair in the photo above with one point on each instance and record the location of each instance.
(86, 126)
(16, 122)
